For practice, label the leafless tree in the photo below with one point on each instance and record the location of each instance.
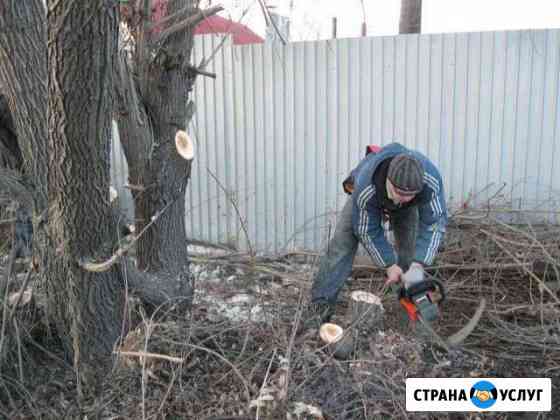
(65, 72)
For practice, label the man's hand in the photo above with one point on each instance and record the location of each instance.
(414, 275)
(394, 274)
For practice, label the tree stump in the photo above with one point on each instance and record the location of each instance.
(339, 343)
(366, 312)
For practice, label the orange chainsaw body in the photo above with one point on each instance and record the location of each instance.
(410, 308)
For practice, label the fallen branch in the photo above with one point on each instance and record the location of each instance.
(540, 282)
(141, 354)
(233, 367)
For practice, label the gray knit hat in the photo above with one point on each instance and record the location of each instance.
(406, 173)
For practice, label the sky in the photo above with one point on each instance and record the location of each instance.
(312, 19)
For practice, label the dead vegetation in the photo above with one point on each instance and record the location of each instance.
(235, 354)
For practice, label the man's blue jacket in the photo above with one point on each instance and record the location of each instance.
(367, 214)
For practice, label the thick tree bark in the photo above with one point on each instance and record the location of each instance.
(86, 307)
(411, 17)
(150, 109)
(61, 118)
(23, 81)
(23, 76)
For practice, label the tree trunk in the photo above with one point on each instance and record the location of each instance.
(23, 75)
(151, 109)
(68, 133)
(87, 307)
(411, 17)
(62, 124)
(23, 82)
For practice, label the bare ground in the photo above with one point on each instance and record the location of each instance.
(235, 354)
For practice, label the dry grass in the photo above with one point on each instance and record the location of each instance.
(204, 366)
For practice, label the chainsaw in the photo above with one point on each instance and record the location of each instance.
(421, 302)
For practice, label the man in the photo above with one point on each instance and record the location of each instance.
(393, 186)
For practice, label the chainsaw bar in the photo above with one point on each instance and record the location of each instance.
(461, 335)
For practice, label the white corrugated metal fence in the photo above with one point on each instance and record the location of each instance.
(281, 126)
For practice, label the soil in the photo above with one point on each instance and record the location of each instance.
(232, 361)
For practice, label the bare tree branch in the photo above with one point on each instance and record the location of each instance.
(100, 267)
(269, 21)
(191, 21)
(180, 13)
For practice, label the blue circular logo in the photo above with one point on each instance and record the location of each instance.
(483, 394)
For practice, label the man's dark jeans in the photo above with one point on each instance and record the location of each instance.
(335, 266)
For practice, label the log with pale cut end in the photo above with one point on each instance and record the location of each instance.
(366, 311)
(330, 333)
(341, 345)
(184, 145)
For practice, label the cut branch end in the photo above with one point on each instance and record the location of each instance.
(330, 333)
(184, 145)
(339, 343)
